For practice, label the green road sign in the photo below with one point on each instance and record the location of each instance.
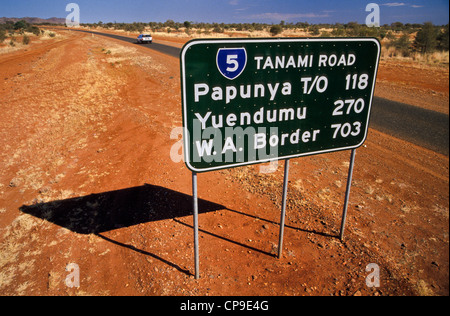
(248, 101)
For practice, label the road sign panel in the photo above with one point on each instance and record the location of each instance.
(249, 101)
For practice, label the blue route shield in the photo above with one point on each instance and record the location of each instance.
(231, 62)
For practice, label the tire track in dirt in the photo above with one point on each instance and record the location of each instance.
(40, 49)
(410, 162)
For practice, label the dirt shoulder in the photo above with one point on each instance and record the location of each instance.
(419, 85)
(86, 178)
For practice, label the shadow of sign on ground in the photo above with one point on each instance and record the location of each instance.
(103, 212)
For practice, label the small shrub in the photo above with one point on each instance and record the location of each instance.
(35, 30)
(314, 30)
(426, 38)
(26, 40)
(276, 30)
(2, 36)
(402, 45)
(338, 32)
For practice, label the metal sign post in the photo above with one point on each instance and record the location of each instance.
(195, 205)
(347, 193)
(283, 207)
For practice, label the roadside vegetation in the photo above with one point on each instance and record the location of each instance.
(10, 31)
(425, 43)
(15, 35)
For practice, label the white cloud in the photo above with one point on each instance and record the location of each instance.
(286, 16)
(402, 4)
(394, 4)
(233, 2)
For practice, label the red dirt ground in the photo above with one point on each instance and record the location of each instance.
(86, 136)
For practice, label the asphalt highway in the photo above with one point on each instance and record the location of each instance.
(422, 127)
(425, 128)
(165, 49)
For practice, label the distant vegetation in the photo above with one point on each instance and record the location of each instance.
(398, 39)
(406, 38)
(35, 21)
(11, 29)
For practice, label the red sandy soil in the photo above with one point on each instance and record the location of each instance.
(86, 178)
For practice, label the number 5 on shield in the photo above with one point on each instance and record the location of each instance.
(232, 59)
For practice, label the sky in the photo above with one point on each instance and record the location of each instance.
(233, 11)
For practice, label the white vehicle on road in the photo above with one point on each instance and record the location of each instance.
(145, 39)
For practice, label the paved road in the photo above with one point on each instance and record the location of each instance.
(165, 49)
(422, 127)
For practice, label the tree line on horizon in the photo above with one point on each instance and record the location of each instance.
(426, 37)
